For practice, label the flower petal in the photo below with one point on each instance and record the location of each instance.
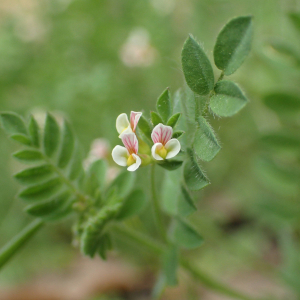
(137, 163)
(155, 147)
(125, 131)
(173, 147)
(161, 134)
(122, 123)
(120, 155)
(130, 142)
(134, 119)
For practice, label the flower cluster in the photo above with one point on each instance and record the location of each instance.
(165, 147)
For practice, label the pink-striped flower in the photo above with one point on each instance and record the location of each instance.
(127, 156)
(164, 146)
(124, 126)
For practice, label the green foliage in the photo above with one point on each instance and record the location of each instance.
(41, 191)
(33, 129)
(196, 67)
(281, 180)
(48, 187)
(145, 127)
(206, 145)
(233, 44)
(13, 124)
(171, 164)
(21, 138)
(170, 265)
(93, 230)
(295, 19)
(18, 241)
(288, 51)
(57, 184)
(228, 99)
(186, 236)
(34, 174)
(177, 134)
(133, 204)
(281, 141)
(95, 177)
(104, 246)
(51, 135)
(284, 104)
(155, 118)
(163, 105)
(123, 184)
(173, 120)
(170, 192)
(67, 146)
(28, 156)
(48, 207)
(76, 165)
(176, 200)
(186, 205)
(193, 175)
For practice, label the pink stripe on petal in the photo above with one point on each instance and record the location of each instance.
(161, 134)
(134, 119)
(130, 142)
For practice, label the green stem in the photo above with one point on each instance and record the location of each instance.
(199, 275)
(18, 241)
(212, 92)
(212, 283)
(221, 76)
(156, 207)
(141, 239)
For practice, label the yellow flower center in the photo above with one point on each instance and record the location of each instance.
(162, 152)
(130, 160)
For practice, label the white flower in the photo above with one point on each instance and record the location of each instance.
(164, 147)
(127, 156)
(124, 126)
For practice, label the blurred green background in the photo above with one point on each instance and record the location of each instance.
(92, 60)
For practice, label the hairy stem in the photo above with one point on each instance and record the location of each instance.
(158, 248)
(156, 207)
(12, 247)
(212, 92)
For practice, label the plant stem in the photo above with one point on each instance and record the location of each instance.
(221, 76)
(199, 275)
(212, 283)
(212, 92)
(156, 207)
(18, 241)
(142, 239)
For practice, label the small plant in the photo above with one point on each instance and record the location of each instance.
(176, 137)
